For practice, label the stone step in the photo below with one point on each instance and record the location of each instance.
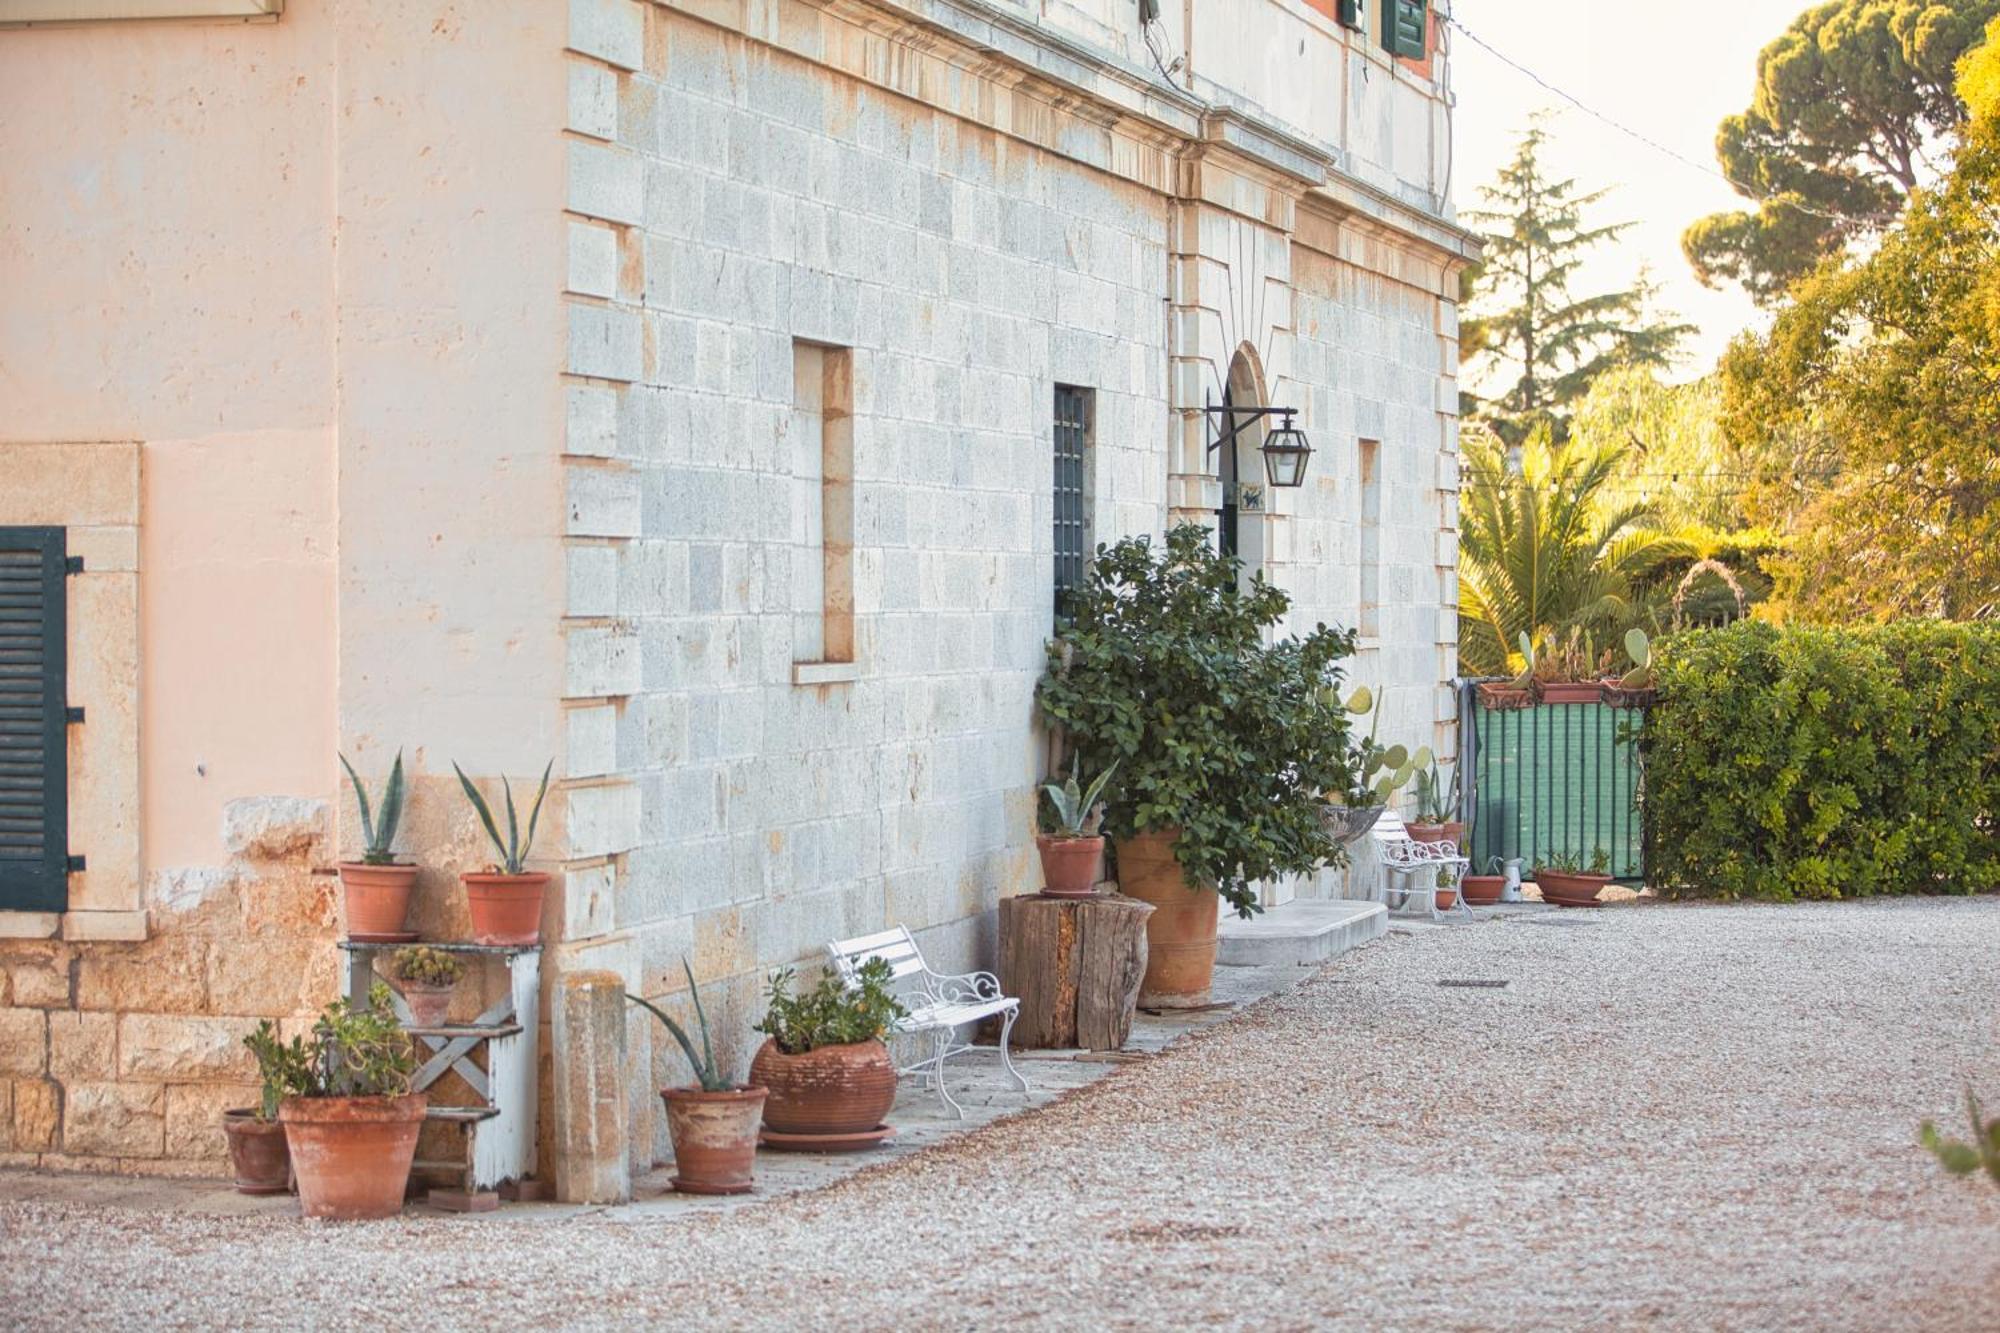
(1301, 931)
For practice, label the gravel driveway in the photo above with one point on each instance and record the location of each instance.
(1672, 1116)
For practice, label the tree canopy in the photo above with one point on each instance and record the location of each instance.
(1851, 104)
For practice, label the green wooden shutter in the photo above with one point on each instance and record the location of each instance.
(34, 706)
(1350, 13)
(1403, 27)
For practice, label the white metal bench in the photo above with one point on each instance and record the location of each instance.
(1410, 869)
(939, 1003)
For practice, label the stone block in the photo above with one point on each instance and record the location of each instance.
(24, 1042)
(593, 101)
(269, 979)
(590, 896)
(271, 828)
(603, 820)
(605, 343)
(607, 183)
(600, 661)
(593, 747)
(298, 904)
(591, 421)
(125, 927)
(71, 484)
(603, 501)
(83, 1047)
(177, 1048)
(114, 1119)
(37, 1114)
(194, 1118)
(166, 974)
(30, 925)
(612, 30)
(37, 975)
(592, 589)
(591, 1079)
(593, 260)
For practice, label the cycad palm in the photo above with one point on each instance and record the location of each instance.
(1546, 550)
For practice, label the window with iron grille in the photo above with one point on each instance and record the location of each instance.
(34, 698)
(1072, 515)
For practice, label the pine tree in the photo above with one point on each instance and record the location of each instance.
(1526, 323)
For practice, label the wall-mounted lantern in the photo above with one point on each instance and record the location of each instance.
(1285, 449)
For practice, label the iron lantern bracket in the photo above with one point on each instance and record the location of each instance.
(1249, 417)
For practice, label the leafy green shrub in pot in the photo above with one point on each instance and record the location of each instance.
(823, 1058)
(350, 1118)
(1162, 669)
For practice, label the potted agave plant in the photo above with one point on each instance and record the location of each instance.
(377, 887)
(1487, 889)
(350, 1118)
(1635, 688)
(1437, 804)
(1566, 880)
(427, 977)
(257, 1150)
(505, 899)
(1073, 850)
(713, 1124)
(829, 1076)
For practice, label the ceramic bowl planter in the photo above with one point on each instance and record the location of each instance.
(1180, 934)
(1345, 824)
(1567, 888)
(715, 1138)
(352, 1154)
(505, 909)
(257, 1152)
(831, 1090)
(1071, 867)
(1482, 890)
(378, 898)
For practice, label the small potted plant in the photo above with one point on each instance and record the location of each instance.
(829, 1075)
(1447, 891)
(505, 899)
(350, 1118)
(1571, 671)
(427, 977)
(1635, 688)
(1487, 889)
(1566, 881)
(1437, 805)
(377, 887)
(257, 1150)
(1506, 695)
(713, 1124)
(1072, 850)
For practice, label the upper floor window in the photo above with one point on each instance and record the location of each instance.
(1071, 486)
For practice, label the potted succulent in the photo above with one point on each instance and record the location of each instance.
(377, 887)
(1635, 688)
(350, 1118)
(1072, 850)
(1566, 880)
(713, 1124)
(1379, 773)
(427, 977)
(1571, 670)
(1212, 796)
(257, 1150)
(1505, 695)
(1487, 889)
(1437, 805)
(505, 899)
(829, 1076)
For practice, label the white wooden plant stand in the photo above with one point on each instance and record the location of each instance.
(499, 1133)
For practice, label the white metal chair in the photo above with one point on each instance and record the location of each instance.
(939, 1003)
(1412, 869)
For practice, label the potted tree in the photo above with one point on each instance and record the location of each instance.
(713, 1124)
(829, 1076)
(1567, 881)
(351, 1120)
(1072, 850)
(377, 887)
(427, 977)
(1225, 743)
(1437, 808)
(505, 899)
(257, 1150)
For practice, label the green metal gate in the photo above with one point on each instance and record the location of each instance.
(1555, 778)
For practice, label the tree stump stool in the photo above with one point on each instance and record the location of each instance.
(1076, 965)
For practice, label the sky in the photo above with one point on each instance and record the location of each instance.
(1670, 72)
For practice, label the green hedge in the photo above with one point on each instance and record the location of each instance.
(1825, 763)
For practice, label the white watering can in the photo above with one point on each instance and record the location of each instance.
(1510, 892)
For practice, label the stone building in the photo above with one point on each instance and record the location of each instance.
(674, 389)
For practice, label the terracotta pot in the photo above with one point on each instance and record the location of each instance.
(1572, 692)
(257, 1152)
(1570, 889)
(1425, 832)
(832, 1090)
(1447, 899)
(352, 1154)
(1617, 696)
(1071, 867)
(715, 1138)
(1498, 697)
(506, 909)
(378, 897)
(1483, 890)
(430, 1006)
(1180, 934)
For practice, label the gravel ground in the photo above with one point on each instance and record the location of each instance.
(1672, 1117)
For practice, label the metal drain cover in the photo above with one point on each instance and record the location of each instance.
(1478, 983)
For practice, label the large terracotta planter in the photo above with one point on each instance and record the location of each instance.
(1482, 890)
(1180, 934)
(352, 1155)
(378, 897)
(430, 1006)
(257, 1152)
(1450, 831)
(832, 1090)
(1570, 889)
(1499, 696)
(1572, 692)
(506, 909)
(1071, 867)
(715, 1138)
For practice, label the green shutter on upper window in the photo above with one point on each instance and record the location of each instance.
(1351, 13)
(1403, 26)
(34, 715)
